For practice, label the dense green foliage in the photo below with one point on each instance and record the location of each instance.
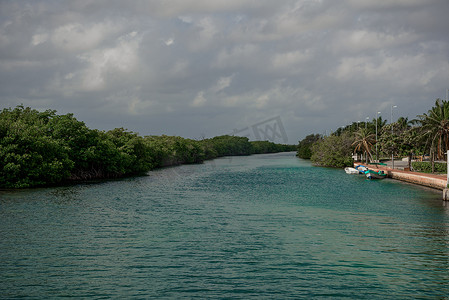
(333, 151)
(435, 128)
(41, 148)
(304, 146)
(403, 138)
(259, 147)
(426, 167)
(29, 154)
(229, 145)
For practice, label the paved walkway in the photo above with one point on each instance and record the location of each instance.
(425, 179)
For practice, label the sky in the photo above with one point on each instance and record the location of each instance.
(275, 70)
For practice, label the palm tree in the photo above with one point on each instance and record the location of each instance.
(403, 123)
(435, 128)
(380, 122)
(364, 140)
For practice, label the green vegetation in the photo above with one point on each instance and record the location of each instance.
(363, 142)
(333, 151)
(435, 128)
(259, 147)
(304, 147)
(43, 148)
(429, 133)
(426, 167)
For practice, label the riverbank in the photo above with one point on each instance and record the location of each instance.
(429, 180)
(46, 149)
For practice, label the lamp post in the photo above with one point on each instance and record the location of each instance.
(366, 154)
(391, 122)
(377, 116)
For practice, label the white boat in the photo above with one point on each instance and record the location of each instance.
(362, 169)
(350, 170)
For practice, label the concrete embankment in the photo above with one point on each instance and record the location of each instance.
(424, 179)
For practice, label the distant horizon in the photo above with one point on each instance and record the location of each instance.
(270, 132)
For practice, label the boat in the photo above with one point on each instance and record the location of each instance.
(350, 170)
(370, 174)
(361, 168)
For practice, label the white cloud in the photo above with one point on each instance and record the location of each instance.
(216, 92)
(319, 60)
(221, 84)
(205, 34)
(238, 56)
(289, 21)
(174, 8)
(291, 61)
(75, 37)
(355, 41)
(179, 68)
(375, 4)
(400, 71)
(102, 62)
(199, 100)
(169, 42)
(39, 39)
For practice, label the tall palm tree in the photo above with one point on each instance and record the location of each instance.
(403, 123)
(364, 140)
(435, 127)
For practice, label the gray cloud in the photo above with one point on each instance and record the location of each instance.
(203, 68)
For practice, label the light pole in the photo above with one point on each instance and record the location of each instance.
(377, 116)
(366, 153)
(391, 122)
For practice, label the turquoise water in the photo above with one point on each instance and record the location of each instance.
(265, 226)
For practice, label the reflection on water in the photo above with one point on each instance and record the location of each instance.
(265, 226)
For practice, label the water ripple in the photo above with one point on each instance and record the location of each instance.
(265, 226)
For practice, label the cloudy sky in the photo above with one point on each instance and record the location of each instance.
(201, 68)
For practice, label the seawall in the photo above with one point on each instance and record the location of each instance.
(424, 179)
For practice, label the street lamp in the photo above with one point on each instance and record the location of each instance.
(391, 122)
(377, 116)
(366, 154)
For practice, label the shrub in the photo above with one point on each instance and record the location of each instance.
(40, 148)
(305, 145)
(426, 167)
(333, 151)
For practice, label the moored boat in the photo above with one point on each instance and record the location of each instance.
(361, 168)
(350, 170)
(370, 174)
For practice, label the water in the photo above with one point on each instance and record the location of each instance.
(264, 226)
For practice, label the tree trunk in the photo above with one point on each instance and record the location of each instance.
(432, 160)
(410, 154)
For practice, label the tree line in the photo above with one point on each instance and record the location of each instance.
(44, 148)
(428, 134)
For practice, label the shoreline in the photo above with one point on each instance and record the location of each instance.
(73, 182)
(438, 182)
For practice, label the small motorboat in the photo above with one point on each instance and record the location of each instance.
(350, 170)
(361, 168)
(370, 174)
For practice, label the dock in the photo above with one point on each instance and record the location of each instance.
(429, 180)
